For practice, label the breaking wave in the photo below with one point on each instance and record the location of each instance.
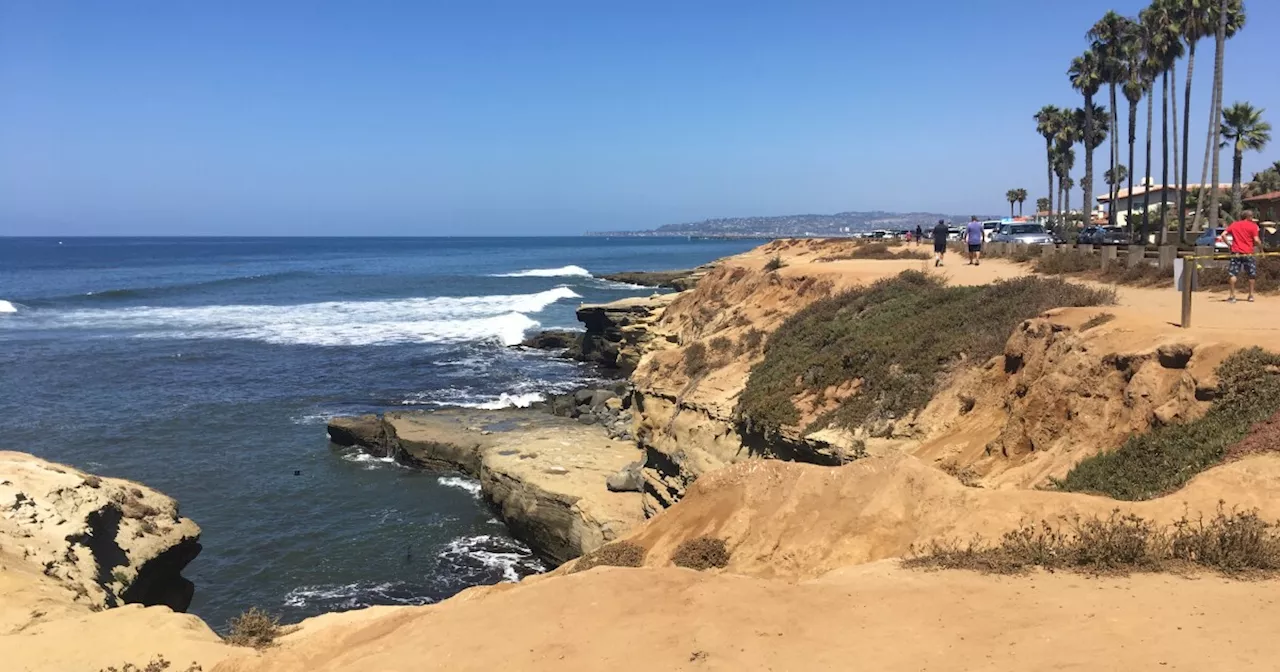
(562, 272)
(334, 323)
(469, 484)
(488, 552)
(6, 307)
(335, 597)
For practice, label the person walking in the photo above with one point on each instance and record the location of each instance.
(919, 234)
(974, 234)
(940, 233)
(1243, 237)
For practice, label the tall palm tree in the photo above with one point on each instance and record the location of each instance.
(1064, 159)
(1244, 129)
(1265, 182)
(1086, 77)
(1091, 140)
(1164, 48)
(1049, 121)
(1012, 197)
(1107, 37)
(1192, 19)
(1228, 16)
(1022, 198)
(1134, 86)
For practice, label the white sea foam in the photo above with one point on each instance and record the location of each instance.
(358, 456)
(504, 400)
(562, 272)
(480, 548)
(622, 286)
(6, 307)
(351, 595)
(334, 323)
(469, 484)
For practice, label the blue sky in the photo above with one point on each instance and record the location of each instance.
(486, 117)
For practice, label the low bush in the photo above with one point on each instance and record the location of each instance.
(1143, 274)
(701, 553)
(617, 554)
(721, 344)
(1067, 261)
(774, 264)
(752, 340)
(1215, 277)
(1232, 542)
(898, 335)
(255, 628)
(1097, 321)
(1152, 464)
(695, 359)
(157, 664)
(877, 250)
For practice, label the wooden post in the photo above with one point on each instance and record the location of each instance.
(1108, 256)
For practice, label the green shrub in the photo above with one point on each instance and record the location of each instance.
(157, 664)
(1231, 542)
(1143, 274)
(898, 336)
(1215, 277)
(774, 264)
(721, 344)
(617, 554)
(701, 553)
(1152, 464)
(752, 340)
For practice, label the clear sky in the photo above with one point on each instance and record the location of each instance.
(486, 117)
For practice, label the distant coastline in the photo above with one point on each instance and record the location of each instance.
(791, 226)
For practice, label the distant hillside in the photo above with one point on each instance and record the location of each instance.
(841, 223)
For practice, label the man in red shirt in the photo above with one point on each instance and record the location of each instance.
(1243, 237)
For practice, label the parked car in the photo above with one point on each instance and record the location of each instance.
(1032, 234)
(1210, 237)
(1105, 235)
(1089, 235)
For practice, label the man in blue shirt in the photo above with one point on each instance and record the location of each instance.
(974, 233)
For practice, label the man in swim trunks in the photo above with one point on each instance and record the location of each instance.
(973, 233)
(1243, 236)
(940, 233)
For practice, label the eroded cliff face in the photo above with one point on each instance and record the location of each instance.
(108, 541)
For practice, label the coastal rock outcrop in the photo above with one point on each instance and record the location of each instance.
(677, 280)
(618, 333)
(109, 541)
(546, 474)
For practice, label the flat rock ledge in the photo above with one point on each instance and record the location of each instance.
(546, 474)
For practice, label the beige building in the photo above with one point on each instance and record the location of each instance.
(1157, 191)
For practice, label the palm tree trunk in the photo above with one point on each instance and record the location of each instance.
(1115, 160)
(1215, 125)
(1186, 142)
(1010, 209)
(1146, 193)
(1133, 133)
(1088, 154)
(1048, 151)
(1237, 204)
(1164, 158)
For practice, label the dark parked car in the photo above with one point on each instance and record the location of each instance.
(1104, 235)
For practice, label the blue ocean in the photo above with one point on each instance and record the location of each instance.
(206, 368)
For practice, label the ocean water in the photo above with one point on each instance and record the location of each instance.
(206, 368)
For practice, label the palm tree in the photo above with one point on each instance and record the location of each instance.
(1164, 48)
(1064, 159)
(1134, 86)
(1117, 176)
(1049, 121)
(1192, 19)
(1266, 181)
(1091, 141)
(1243, 127)
(1043, 204)
(1012, 197)
(1022, 198)
(1086, 77)
(1107, 36)
(1229, 17)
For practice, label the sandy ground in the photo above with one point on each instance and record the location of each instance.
(872, 617)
